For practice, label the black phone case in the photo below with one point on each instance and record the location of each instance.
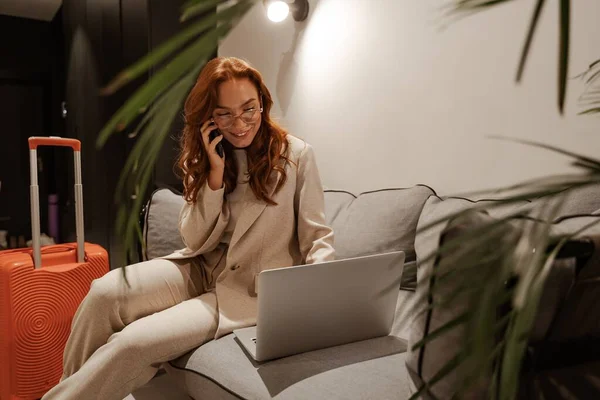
(211, 136)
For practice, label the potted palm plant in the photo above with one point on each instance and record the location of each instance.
(495, 307)
(150, 110)
(512, 277)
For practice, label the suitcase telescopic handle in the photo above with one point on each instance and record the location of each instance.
(34, 194)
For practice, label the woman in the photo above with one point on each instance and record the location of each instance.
(260, 206)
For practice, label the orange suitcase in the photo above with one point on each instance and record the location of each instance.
(40, 290)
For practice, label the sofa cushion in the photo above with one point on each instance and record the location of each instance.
(427, 362)
(373, 222)
(161, 232)
(380, 221)
(335, 202)
(220, 369)
(578, 316)
(437, 352)
(578, 201)
(437, 208)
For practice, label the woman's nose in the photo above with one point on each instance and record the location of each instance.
(238, 123)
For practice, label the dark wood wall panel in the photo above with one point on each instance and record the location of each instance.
(164, 21)
(93, 29)
(31, 88)
(21, 113)
(69, 60)
(102, 38)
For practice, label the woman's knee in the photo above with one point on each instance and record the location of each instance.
(105, 289)
(127, 345)
(113, 285)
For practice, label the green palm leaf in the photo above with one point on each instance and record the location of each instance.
(563, 61)
(159, 101)
(167, 76)
(559, 184)
(481, 357)
(205, 25)
(469, 7)
(140, 161)
(532, 26)
(590, 99)
(448, 326)
(486, 290)
(577, 157)
(193, 8)
(447, 368)
(472, 6)
(523, 321)
(593, 110)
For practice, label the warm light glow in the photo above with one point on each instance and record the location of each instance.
(278, 11)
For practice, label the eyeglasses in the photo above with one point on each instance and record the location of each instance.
(248, 116)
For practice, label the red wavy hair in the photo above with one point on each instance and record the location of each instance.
(268, 152)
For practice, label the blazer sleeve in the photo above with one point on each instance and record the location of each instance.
(314, 235)
(202, 223)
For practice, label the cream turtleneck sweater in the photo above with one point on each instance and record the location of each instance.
(235, 198)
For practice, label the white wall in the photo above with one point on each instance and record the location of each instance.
(390, 99)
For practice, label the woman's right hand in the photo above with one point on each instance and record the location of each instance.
(216, 162)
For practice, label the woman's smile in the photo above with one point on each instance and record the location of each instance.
(240, 134)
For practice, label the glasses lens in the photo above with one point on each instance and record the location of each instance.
(226, 121)
(249, 116)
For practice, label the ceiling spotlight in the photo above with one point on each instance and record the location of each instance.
(278, 10)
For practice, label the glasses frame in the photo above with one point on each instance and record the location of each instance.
(257, 111)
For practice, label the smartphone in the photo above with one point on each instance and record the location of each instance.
(211, 136)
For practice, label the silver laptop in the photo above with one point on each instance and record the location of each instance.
(314, 306)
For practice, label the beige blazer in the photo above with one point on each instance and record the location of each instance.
(292, 233)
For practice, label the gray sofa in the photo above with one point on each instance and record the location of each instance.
(382, 368)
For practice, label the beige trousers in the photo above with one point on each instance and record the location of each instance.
(120, 335)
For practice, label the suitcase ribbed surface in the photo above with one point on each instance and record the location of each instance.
(36, 311)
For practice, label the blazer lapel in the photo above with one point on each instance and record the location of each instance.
(252, 208)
